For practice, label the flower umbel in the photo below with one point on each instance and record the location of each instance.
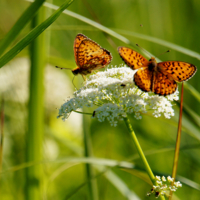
(164, 186)
(115, 95)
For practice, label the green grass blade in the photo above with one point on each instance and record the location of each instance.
(192, 90)
(33, 34)
(19, 25)
(92, 23)
(121, 185)
(162, 42)
(71, 160)
(34, 137)
(124, 39)
(113, 178)
(192, 116)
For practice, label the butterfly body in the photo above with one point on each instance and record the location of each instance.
(89, 55)
(78, 70)
(159, 78)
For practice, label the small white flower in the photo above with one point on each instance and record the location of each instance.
(178, 184)
(169, 179)
(115, 95)
(172, 188)
(164, 188)
(159, 182)
(163, 179)
(158, 178)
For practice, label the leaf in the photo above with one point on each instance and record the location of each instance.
(32, 35)
(19, 25)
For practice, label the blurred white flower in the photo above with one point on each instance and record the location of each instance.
(115, 95)
(14, 79)
(163, 179)
(169, 179)
(51, 150)
(14, 87)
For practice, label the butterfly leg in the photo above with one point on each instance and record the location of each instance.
(96, 71)
(84, 78)
(73, 83)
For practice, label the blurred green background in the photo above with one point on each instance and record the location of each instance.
(177, 22)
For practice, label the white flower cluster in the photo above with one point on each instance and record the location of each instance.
(115, 95)
(164, 186)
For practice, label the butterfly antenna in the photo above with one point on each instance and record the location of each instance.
(163, 53)
(63, 68)
(148, 53)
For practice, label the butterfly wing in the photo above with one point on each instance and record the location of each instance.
(177, 70)
(142, 79)
(132, 58)
(92, 56)
(156, 82)
(163, 84)
(79, 38)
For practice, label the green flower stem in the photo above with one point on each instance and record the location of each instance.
(141, 154)
(139, 149)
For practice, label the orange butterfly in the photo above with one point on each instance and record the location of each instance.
(89, 55)
(159, 78)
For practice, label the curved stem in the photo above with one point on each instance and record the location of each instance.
(141, 154)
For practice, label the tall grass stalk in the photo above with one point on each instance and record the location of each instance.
(34, 138)
(90, 172)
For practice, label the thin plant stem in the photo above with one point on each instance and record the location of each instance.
(141, 154)
(90, 172)
(178, 141)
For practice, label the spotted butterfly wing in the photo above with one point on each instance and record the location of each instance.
(163, 84)
(179, 71)
(79, 38)
(159, 78)
(132, 58)
(142, 79)
(92, 56)
(89, 55)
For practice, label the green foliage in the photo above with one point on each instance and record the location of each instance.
(119, 174)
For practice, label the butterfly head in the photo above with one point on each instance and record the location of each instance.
(76, 71)
(152, 59)
(152, 64)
